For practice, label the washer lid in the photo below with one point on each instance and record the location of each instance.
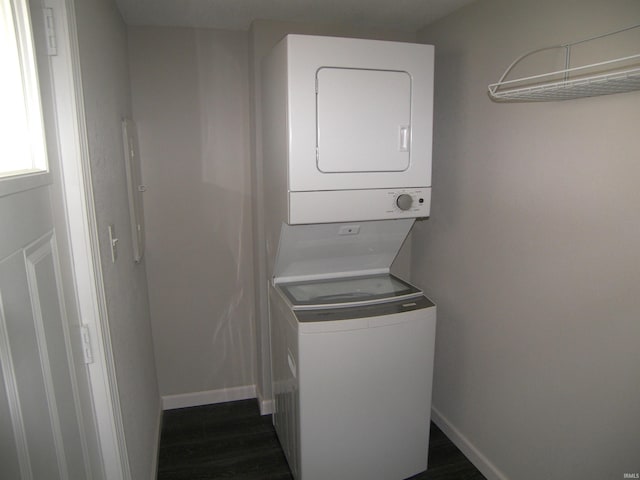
(330, 250)
(347, 291)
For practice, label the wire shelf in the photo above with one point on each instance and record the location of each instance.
(620, 75)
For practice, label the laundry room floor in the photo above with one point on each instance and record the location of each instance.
(232, 440)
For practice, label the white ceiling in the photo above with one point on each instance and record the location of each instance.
(404, 15)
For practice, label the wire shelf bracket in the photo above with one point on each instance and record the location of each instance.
(619, 75)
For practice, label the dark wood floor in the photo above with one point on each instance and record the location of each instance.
(232, 440)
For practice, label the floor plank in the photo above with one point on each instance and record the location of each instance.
(232, 440)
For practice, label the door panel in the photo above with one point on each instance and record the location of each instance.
(44, 432)
(24, 373)
(38, 390)
(363, 120)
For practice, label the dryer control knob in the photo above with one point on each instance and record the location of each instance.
(404, 201)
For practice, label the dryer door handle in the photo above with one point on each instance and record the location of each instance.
(404, 138)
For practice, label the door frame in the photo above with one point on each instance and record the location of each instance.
(81, 226)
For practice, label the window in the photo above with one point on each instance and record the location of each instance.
(22, 140)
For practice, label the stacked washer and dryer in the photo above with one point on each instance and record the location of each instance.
(346, 134)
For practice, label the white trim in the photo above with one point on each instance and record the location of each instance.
(82, 232)
(38, 251)
(70, 360)
(266, 406)
(206, 397)
(475, 456)
(19, 183)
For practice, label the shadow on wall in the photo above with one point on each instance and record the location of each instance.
(190, 98)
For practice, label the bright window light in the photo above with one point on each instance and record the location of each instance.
(22, 141)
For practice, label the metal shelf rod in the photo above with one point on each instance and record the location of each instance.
(498, 92)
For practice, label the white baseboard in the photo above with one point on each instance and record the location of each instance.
(266, 406)
(195, 399)
(482, 463)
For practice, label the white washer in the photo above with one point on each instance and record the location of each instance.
(352, 375)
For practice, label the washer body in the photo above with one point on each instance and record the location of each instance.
(352, 378)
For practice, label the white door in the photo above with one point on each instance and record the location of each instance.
(47, 430)
(357, 114)
(363, 120)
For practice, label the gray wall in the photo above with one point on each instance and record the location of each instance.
(105, 80)
(191, 106)
(532, 250)
(191, 92)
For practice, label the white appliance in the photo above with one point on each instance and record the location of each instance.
(347, 128)
(352, 355)
(346, 143)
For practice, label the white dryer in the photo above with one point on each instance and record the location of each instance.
(347, 128)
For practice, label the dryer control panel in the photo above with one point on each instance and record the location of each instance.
(358, 205)
(408, 200)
